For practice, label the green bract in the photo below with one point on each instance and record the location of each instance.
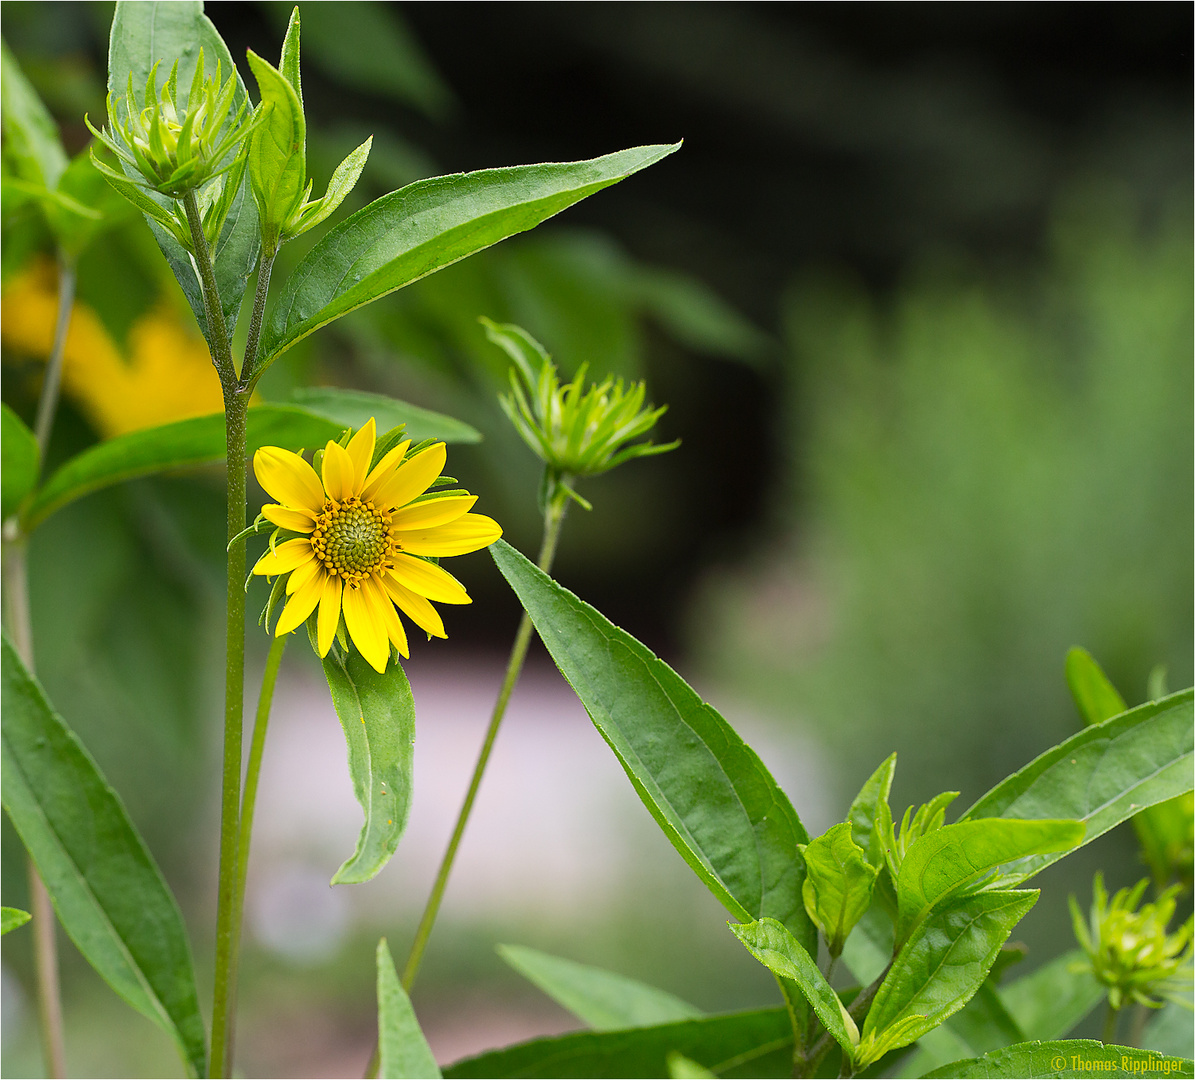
(574, 431)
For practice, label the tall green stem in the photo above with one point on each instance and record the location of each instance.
(48, 403)
(1110, 1017)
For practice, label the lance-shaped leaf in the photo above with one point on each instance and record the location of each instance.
(747, 1044)
(949, 859)
(105, 885)
(1101, 776)
(708, 791)
(604, 1000)
(1095, 696)
(352, 408)
(402, 1049)
(1065, 1058)
(142, 35)
(18, 461)
(377, 713)
(774, 947)
(277, 165)
(838, 884)
(32, 149)
(1049, 1002)
(940, 968)
(865, 808)
(11, 918)
(425, 226)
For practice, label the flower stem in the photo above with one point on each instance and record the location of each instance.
(249, 374)
(1110, 1017)
(48, 403)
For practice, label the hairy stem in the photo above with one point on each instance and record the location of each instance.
(249, 372)
(217, 331)
(48, 403)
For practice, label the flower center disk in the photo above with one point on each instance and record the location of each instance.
(352, 539)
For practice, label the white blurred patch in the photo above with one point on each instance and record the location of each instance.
(13, 1007)
(295, 913)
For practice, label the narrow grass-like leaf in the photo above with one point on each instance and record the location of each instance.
(424, 227)
(402, 1049)
(1101, 776)
(1067, 1058)
(11, 918)
(1049, 1002)
(1095, 696)
(18, 461)
(377, 713)
(949, 859)
(32, 149)
(182, 444)
(774, 947)
(604, 1000)
(746, 1044)
(944, 963)
(707, 790)
(352, 408)
(106, 888)
(142, 34)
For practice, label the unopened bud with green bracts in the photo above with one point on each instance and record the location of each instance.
(576, 431)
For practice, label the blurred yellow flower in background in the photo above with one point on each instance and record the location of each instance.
(166, 375)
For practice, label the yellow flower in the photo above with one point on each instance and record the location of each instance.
(365, 535)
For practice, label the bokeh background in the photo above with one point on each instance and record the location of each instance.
(917, 292)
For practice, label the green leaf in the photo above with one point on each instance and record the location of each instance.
(1095, 696)
(602, 999)
(949, 859)
(402, 1049)
(748, 1044)
(862, 814)
(774, 947)
(85, 205)
(344, 179)
(707, 790)
(18, 461)
(11, 918)
(425, 226)
(1049, 1002)
(106, 888)
(32, 148)
(684, 1068)
(1169, 1031)
(184, 444)
(944, 963)
(870, 946)
(1068, 1058)
(1102, 775)
(838, 884)
(277, 152)
(142, 34)
(288, 64)
(377, 713)
(352, 408)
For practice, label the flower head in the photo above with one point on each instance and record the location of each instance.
(1129, 950)
(362, 538)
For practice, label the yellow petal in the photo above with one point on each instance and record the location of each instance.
(432, 512)
(394, 630)
(428, 579)
(289, 518)
(338, 472)
(285, 557)
(365, 623)
(360, 450)
(288, 478)
(390, 461)
(300, 605)
(421, 613)
(411, 478)
(329, 613)
(458, 537)
(304, 574)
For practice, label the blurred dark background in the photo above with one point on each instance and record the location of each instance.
(916, 290)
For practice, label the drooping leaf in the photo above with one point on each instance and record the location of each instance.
(142, 34)
(746, 1044)
(1067, 1058)
(862, 814)
(707, 790)
(425, 226)
(11, 918)
(377, 713)
(1095, 696)
(1049, 1002)
(944, 963)
(949, 859)
(602, 999)
(1102, 775)
(352, 408)
(183, 444)
(838, 884)
(32, 148)
(774, 947)
(106, 888)
(402, 1049)
(18, 461)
